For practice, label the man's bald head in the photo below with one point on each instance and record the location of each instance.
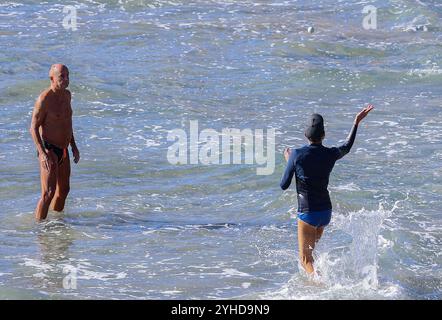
(57, 69)
(59, 75)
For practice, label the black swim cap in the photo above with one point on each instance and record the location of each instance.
(315, 127)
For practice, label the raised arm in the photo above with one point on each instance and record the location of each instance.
(345, 148)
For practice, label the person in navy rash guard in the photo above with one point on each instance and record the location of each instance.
(311, 165)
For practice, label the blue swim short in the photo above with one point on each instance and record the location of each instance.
(316, 218)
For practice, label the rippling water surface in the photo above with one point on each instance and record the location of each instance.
(136, 226)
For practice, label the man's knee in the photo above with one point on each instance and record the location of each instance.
(47, 195)
(63, 192)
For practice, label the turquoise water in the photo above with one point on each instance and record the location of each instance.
(137, 227)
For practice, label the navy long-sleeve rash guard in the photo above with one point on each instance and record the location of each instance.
(312, 165)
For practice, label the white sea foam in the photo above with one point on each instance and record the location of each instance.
(349, 270)
(149, 67)
(425, 72)
(230, 272)
(39, 265)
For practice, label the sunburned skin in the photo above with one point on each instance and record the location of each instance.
(52, 132)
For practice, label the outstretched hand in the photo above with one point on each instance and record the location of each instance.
(361, 115)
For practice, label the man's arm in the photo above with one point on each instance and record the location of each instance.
(75, 150)
(38, 118)
(289, 170)
(345, 148)
(72, 142)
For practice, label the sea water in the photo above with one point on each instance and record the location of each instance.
(136, 226)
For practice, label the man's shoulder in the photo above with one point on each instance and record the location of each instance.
(43, 98)
(44, 95)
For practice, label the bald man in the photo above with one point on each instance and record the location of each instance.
(52, 132)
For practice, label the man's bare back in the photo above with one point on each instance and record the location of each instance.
(52, 132)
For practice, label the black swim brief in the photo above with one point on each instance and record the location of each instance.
(60, 153)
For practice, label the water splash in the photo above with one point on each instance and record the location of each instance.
(354, 264)
(346, 260)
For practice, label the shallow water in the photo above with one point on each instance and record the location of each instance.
(137, 227)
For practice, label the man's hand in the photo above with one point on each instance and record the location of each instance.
(76, 154)
(287, 153)
(361, 115)
(47, 162)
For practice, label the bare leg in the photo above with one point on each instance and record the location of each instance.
(48, 184)
(306, 241)
(62, 191)
(319, 232)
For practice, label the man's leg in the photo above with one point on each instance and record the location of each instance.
(62, 191)
(306, 242)
(48, 184)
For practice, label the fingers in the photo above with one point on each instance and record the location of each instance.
(50, 164)
(47, 164)
(368, 108)
(287, 152)
(50, 161)
(77, 157)
(362, 114)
